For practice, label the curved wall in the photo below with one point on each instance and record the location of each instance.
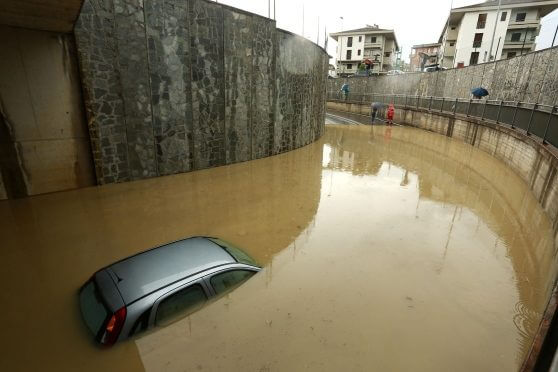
(174, 86)
(534, 162)
(530, 77)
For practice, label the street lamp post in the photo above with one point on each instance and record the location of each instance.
(490, 56)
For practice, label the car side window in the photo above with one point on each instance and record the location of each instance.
(180, 304)
(228, 280)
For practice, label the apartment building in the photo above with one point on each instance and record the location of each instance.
(494, 29)
(372, 45)
(423, 55)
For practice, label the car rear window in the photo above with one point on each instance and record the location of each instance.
(93, 310)
(237, 253)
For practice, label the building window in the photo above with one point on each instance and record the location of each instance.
(516, 36)
(478, 40)
(350, 42)
(387, 54)
(350, 66)
(511, 54)
(349, 54)
(358, 52)
(372, 39)
(481, 21)
(474, 58)
(520, 17)
(452, 44)
(503, 16)
(359, 39)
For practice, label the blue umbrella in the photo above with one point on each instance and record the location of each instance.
(479, 92)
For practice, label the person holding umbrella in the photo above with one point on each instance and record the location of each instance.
(345, 90)
(478, 93)
(374, 111)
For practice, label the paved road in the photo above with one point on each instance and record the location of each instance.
(340, 117)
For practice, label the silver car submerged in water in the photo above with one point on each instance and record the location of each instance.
(161, 285)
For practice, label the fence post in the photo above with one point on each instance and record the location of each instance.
(499, 111)
(418, 99)
(430, 103)
(442, 105)
(531, 118)
(469, 107)
(514, 115)
(484, 109)
(455, 106)
(548, 124)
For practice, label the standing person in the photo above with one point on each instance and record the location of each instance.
(345, 90)
(374, 111)
(390, 114)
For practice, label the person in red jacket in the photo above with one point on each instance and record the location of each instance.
(390, 114)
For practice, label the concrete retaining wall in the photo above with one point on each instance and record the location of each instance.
(530, 77)
(173, 86)
(536, 164)
(44, 145)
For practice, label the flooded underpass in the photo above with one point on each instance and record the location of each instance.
(383, 249)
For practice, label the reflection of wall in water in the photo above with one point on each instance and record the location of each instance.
(261, 206)
(491, 190)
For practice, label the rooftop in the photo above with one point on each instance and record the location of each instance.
(495, 3)
(146, 272)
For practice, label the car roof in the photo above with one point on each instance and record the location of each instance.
(156, 268)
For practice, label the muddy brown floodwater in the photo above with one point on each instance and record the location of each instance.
(386, 249)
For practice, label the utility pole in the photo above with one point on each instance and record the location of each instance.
(318, 39)
(497, 47)
(303, 20)
(524, 39)
(554, 38)
(447, 35)
(268, 8)
(490, 56)
(274, 14)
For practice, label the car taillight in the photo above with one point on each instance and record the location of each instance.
(114, 326)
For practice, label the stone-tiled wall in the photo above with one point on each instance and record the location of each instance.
(531, 78)
(173, 86)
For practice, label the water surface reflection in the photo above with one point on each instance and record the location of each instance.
(425, 254)
(385, 249)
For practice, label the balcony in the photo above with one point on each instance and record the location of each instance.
(528, 23)
(369, 45)
(508, 44)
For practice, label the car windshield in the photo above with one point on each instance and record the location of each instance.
(93, 310)
(237, 253)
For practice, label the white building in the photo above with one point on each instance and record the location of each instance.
(492, 29)
(369, 43)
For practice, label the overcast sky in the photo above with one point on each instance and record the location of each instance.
(414, 22)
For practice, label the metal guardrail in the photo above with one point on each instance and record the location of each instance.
(535, 119)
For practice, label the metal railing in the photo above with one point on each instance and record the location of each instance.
(533, 118)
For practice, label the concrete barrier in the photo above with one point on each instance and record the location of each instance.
(531, 77)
